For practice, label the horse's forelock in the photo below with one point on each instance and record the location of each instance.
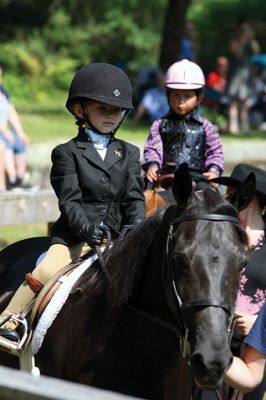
(205, 201)
(219, 205)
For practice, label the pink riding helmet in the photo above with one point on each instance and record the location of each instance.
(184, 74)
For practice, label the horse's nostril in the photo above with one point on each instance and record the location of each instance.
(206, 370)
(197, 360)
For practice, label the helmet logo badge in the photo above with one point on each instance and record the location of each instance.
(116, 93)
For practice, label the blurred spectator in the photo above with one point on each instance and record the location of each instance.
(144, 80)
(14, 139)
(217, 79)
(242, 46)
(2, 167)
(214, 93)
(257, 101)
(154, 103)
(186, 47)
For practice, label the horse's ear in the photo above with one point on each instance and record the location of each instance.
(182, 185)
(244, 193)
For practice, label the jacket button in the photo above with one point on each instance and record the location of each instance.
(102, 212)
(103, 179)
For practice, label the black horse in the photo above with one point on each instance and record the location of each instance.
(173, 281)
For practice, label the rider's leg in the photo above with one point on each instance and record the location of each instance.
(57, 257)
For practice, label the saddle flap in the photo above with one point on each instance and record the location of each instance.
(49, 290)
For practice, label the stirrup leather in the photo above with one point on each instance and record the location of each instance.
(12, 347)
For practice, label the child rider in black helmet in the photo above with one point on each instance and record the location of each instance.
(95, 176)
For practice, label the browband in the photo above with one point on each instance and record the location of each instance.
(207, 217)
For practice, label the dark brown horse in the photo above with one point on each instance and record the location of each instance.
(173, 281)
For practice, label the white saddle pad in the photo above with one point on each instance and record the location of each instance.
(56, 303)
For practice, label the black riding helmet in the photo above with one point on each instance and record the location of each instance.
(101, 82)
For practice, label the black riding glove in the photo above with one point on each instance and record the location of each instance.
(93, 234)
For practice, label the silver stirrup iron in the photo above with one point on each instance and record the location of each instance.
(12, 347)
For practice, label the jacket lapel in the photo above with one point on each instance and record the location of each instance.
(90, 153)
(114, 154)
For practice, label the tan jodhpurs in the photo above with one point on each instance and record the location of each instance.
(56, 258)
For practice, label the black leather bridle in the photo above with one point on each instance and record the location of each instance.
(202, 302)
(173, 299)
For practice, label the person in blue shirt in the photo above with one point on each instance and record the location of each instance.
(15, 140)
(2, 167)
(247, 372)
(186, 50)
(154, 103)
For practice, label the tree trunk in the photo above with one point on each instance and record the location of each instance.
(174, 24)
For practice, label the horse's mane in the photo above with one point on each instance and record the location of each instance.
(126, 259)
(115, 282)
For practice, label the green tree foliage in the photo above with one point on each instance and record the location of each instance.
(214, 20)
(44, 42)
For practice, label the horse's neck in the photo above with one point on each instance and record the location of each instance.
(152, 297)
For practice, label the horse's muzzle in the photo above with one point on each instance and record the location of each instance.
(207, 370)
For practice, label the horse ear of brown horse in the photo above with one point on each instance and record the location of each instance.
(182, 185)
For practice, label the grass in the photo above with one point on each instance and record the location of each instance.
(47, 126)
(13, 233)
(50, 120)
